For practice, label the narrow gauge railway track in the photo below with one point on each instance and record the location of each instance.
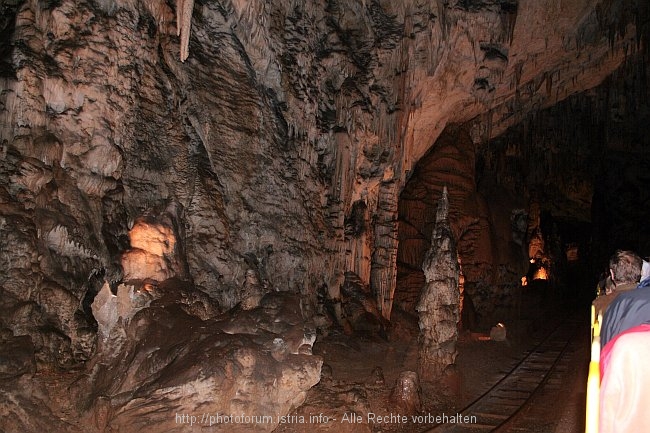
(500, 404)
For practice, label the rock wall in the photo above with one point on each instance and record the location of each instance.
(287, 125)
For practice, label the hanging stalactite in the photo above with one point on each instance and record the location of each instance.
(184, 10)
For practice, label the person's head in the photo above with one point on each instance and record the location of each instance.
(625, 267)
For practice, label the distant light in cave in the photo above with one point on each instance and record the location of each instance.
(540, 274)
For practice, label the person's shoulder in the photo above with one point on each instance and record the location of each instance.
(640, 293)
(623, 288)
(598, 300)
(634, 335)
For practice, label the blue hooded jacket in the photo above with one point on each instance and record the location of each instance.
(628, 310)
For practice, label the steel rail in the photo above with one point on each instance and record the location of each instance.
(501, 403)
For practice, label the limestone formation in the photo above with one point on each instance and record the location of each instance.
(184, 25)
(335, 407)
(252, 291)
(439, 305)
(158, 358)
(406, 394)
(498, 332)
(290, 145)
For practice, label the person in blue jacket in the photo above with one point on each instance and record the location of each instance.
(628, 310)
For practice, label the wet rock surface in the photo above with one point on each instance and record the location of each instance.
(174, 362)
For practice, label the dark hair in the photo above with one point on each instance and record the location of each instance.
(626, 266)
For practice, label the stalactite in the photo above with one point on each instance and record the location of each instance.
(444, 25)
(508, 17)
(184, 10)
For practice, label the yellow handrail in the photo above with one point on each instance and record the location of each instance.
(593, 380)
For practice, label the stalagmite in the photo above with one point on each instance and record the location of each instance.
(405, 396)
(438, 308)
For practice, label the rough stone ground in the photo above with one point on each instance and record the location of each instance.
(356, 391)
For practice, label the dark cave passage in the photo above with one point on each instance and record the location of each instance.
(500, 231)
(559, 189)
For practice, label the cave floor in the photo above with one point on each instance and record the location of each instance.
(360, 371)
(364, 369)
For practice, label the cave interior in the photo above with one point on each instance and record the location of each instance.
(230, 207)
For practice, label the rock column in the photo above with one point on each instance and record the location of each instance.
(439, 304)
